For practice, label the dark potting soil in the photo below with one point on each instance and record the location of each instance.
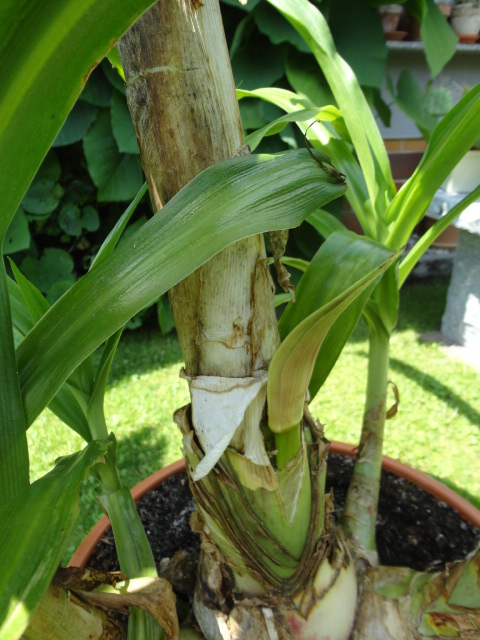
(413, 528)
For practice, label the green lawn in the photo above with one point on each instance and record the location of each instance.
(437, 428)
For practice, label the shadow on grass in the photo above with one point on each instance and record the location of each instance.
(141, 453)
(433, 386)
(143, 351)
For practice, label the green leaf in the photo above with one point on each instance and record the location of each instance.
(257, 113)
(277, 125)
(32, 297)
(222, 203)
(118, 177)
(360, 40)
(316, 327)
(249, 74)
(39, 89)
(164, 315)
(325, 223)
(77, 124)
(115, 234)
(439, 39)
(98, 90)
(28, 305)
(21, 317)
(451, 139)
(419, 248)
(302, 74)
(342, 157)
(55, 264)
(44, 193)
(349, 98)
(34, 530)
(74, 220)
(14, 467)
(122, 126)
(17, 237)
(278, 31)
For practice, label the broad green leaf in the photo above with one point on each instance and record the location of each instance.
(122, 126)
(117, 176)
(248, 73)
(257, 113)
(55, 264)
(451, 139)
(98, 90)
(34, 530)
(222, 203)
(44, 193)
(315, 328)
(74, 220)
(322, 137)
(77, 124)
(17, 237)
(439, 39)
(349, 97)
(38, 88)
(354, 24)
(278, 31)
(302, 74)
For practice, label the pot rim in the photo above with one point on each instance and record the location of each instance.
(441, 492)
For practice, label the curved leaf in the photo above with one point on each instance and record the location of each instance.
(232, 200)
(450, 141)
(38, 88)
(34, 529)
(361, 125)
(329, 300)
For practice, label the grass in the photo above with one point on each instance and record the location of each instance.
(437, 428)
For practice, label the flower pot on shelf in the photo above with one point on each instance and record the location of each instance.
(466, 175)
(445, 7)
(465, 20)
(436, 489)
(390, 15)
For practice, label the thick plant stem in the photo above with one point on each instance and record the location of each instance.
(182, 98)
(360, 514)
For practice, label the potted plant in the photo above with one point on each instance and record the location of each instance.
(445, 7)
(465, 19)
(257, 469)
(390, 15)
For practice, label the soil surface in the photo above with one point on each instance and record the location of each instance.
(413, 528)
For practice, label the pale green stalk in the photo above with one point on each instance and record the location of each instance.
(360, 513)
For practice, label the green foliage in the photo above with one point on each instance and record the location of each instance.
(40, 535)
(72, 202)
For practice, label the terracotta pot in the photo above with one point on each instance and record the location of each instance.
(467, 511)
